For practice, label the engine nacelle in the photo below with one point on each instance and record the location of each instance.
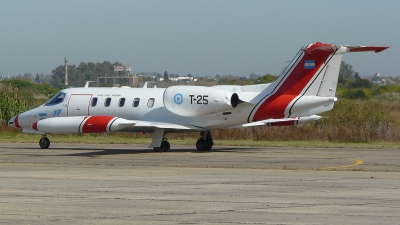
(198, 101)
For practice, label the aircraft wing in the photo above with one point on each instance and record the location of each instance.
(29, 131)
(147, 124)
(93, 124)
(280, 122)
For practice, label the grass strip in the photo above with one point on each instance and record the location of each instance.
(116, 138)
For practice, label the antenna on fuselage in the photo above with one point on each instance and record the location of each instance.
(88, 82)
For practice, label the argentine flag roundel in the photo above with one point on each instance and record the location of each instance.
(309, 64)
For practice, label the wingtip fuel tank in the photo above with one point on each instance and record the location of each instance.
(81, 124)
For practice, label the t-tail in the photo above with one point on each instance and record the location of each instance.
(308, 84)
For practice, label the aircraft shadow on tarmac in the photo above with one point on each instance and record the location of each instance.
(95, 152)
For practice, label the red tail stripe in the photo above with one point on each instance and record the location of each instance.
(296, 81)
(320, 46)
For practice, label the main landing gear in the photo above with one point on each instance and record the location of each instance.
(44, 142)
(161, 144)
(164, 147)
(205, 142)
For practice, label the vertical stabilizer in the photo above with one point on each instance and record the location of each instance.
(308, 84)
(328, 81)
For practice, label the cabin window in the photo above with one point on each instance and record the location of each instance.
(150, 103)
(107, 102)
(94, 102)
(136, 102)
(121, 102)
(57, 99)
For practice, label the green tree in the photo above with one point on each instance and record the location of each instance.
(360, 83)
(28, 76)
(77, 76)
(386, 89)
(254, 76)
(355, 94)
(37, 79)
(19, 83)
(346, 71)
(268, 78)
(227, 79)
(46, 89)
(166, 77)
(12, 102)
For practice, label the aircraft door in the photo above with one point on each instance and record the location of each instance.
(78, 104)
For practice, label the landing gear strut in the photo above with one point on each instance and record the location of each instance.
(164, 147)
(160, 143)
(44, 142)
(205, 142)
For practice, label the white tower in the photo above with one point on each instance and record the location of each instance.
(66, 71)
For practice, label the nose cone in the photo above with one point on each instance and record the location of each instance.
(13, 122)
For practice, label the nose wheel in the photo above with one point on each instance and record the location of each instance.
(205, 142)
(44, 142)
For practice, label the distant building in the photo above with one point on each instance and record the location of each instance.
(381, 80)
(187, 79)
(173, 79)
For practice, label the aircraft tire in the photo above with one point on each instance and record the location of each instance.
(203, 145)
(209, 145)
(165, 146)
(157, 149)
(44, 142)
(200, 144)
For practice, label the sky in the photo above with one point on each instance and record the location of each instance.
(202, 38)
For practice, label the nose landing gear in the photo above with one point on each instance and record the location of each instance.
(44, 142)
(205, 142)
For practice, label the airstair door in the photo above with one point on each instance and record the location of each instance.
(78, 104)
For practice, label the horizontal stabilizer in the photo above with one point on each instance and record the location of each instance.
(375, 49)
(309, 102)
(281, 122)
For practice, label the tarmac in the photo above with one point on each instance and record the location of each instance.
(131, 184)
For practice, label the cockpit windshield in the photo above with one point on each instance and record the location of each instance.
(58, 98)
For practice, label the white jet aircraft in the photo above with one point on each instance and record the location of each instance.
(307, 87)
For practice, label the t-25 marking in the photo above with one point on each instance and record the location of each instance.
(199, 99)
